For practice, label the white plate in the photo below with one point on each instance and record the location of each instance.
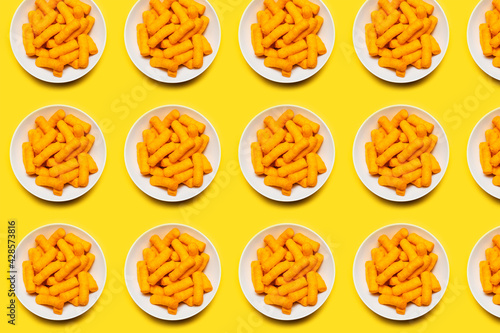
(327, 34)
(213, 272)
(327, 153)
(441, 152)
(477, 255)
(477, 18)
(477, 136)
(98, 153)
(327, 271)
(212, 33)
(98, 271)
(441, 33)
(212, 152)
(441, 271)
(98, 34)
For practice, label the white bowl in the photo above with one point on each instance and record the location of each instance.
(212, 33)
(327, 34)
(327, 271)
(98, 271)
(98, 34)
(477, 18)
(441, 271)
(473, 275)
(441, 152)
(327, 153)
(441, 33)
(98, 153)
(477, 136)
(213, 272)
(212, 152)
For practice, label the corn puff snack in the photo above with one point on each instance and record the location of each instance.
(63, 278)
(489, 271)
(172, 271)
(489, 35)
(58, 35)
(58, 152)
(400, 152)
(172, 152)
(489, 152)
(400, 35)
(286, 271)
(286, 152)
(286, 35)
(172, 35)
(400, 271)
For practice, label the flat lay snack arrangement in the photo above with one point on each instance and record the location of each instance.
(250, 166)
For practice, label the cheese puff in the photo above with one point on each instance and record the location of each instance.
(197, 288)
(167, 301)
(90, 262)
(273, 260)
(386, 243)
(406, 286)
(64, 286)
(171, 235)
(371, 157)
(142, 158)
(302, 240)
(47, 270)
(65, 248)
(204, 264)
(28, 275)
(436, 286)
(157, 242)
(28, 158)
(45, 28)
(306, 3)
(389, 153)
(388, 259)
(159, 260)
(278, 300)
(426, 288)
(142, 40)
(396, 64)
(391, 270)
(181, 269)
(387, 141)
(312, 264)
(49, 301)
(70, 266)
(387, 24)
(280, 182)
(371, 276)
(395, 301)
(276, 152)
(295, 150)
(407, 49)
(293, 286)
(294, 249)
(163, 270)
(187, 239)
(75, 3)
(485, 158)
(257, 276)
(84, 260)
(423, 268)
(53, 183)
(142, 277)
(84, 24)
(295, 269)
(416, 239)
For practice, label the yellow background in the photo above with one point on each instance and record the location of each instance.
(230, 212)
